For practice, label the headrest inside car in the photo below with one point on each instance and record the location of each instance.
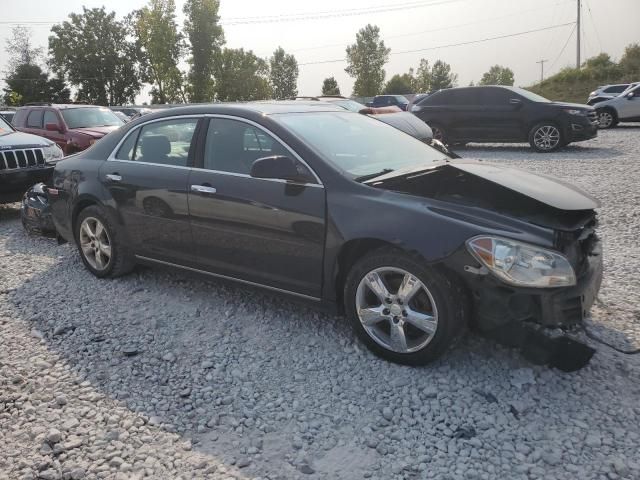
(155, 145)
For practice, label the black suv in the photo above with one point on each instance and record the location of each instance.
(389, 101)
(505, 114)
(24, 160)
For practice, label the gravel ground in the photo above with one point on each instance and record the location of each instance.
(158, 375)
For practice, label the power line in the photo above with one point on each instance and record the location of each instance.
(593, 22)
(321, 15)
(564, 47)
(453, 44)
(422, 32)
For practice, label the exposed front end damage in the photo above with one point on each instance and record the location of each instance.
(525, 317)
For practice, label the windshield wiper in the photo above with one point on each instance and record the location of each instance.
(364, 178)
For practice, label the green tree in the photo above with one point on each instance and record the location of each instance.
(423, 77)
(366, 59)
(630, 61)
(20, 50)
(330, 86)
(284, 74)
(441, 76)
(92, 51)
(206, 38)
(161, 47)
(241, 76)
(497, 75)
(28, 83)
(400, 84)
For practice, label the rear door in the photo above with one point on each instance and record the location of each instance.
(147, 178)
(265, 231)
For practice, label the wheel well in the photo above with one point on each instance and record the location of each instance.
(610, 109)
(350, 253)
(81, 205)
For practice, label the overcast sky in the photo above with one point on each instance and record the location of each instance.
(427, 25)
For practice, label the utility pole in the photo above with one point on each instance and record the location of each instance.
(541, 62)
(578, 38)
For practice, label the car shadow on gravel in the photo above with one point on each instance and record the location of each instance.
(265, 383)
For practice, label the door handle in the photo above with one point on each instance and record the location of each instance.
(203, 189)
(113, 177)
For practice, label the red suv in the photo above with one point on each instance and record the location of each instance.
(73, 127)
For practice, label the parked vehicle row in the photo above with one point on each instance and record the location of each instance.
(623, 108)
(607, 92)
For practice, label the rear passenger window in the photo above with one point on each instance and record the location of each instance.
(167, 143)
(127, 149)
(232, 146)
(34, 120)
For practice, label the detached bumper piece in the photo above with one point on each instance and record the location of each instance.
(35, 212)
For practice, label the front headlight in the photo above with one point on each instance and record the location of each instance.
(522, 264)
(52, 153)
(575, 111)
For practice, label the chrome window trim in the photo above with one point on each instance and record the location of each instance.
(226, 277)
(112, 156)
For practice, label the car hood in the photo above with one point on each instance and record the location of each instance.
(572, 105)
(96, 132)
(12, 140)
(539, 199)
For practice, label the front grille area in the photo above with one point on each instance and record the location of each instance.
(593, 118)
(23, 158)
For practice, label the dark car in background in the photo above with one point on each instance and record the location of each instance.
(24, 160)
(505, 115)
(73, 127)
(399, 101)
(341, 210)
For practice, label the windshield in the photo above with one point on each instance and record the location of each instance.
(5, 127)
(90, 117)
(357, 144)
(534, 97)
(630, 88)
(350, 105)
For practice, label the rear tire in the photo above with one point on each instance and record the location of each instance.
(101, 244)
(607, 118)
(403, 310)
(546, 137)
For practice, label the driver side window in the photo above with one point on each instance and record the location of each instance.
(232, 146)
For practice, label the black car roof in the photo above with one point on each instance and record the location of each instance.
(61, 106)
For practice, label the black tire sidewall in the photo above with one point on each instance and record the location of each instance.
(561, 140)
(450, 311)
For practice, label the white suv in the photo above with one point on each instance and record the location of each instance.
(606, 92)
(623, 108)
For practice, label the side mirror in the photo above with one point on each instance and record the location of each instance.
(278, 167)
(515, 102)
(630, 95)
(52, 127)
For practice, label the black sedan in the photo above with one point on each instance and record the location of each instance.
(341, 210)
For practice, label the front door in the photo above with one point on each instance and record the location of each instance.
(629, 106)
(51, 118)
(264, 231)
(500, 115)
(147, 179)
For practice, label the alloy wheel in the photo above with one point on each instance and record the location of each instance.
(605, 119)
(95, 243)
(546, 137)
(396, 309)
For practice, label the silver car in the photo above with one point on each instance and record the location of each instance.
(623, 108)
(606, 92)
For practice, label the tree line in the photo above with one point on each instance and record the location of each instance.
(104, 60)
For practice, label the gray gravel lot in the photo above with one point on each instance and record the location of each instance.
(159, 375)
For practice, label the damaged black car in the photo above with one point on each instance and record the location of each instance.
(343, 211)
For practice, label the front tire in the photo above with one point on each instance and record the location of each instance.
(607, 118)
(101, 245)
(546, 137)
(403, 310)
